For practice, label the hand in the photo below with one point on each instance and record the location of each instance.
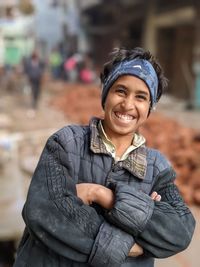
(155, 196)
(85, 192)
(135, 251)
(99, 194)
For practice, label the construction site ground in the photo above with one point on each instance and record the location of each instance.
(22, 137)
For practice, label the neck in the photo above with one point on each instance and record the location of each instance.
(120, 142)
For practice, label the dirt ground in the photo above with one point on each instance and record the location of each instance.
(32, 130)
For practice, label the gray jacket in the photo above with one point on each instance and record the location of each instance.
(62, 231)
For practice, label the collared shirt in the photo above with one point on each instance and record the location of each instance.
(135, 163)
(137, 141)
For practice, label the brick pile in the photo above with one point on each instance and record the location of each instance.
(181, 145)
(79, 102)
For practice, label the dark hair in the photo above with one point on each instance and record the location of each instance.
(121, 54)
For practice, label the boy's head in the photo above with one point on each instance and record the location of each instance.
(136, 62)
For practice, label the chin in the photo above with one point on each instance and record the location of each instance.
(125, 131)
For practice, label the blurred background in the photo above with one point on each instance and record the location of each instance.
(51, 55)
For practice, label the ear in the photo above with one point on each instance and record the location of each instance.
(151, 109)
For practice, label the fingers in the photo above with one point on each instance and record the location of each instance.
(155, 196)
(136, 251)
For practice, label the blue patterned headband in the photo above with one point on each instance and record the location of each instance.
(140, 68)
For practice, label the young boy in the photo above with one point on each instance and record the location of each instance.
(99, 197)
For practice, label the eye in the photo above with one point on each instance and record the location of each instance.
(120, 90)
(142, 97)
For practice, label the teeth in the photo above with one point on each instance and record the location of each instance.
(124, 117)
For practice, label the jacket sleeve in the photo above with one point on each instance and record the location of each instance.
(162, 228)
(58, 219)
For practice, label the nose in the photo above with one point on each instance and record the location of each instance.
(128, 103)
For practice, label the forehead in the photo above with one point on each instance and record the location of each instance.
(131, 83)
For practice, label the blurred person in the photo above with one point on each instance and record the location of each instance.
(71, 67)
(2, 78)
(85, 69)
(34, 69)
(99, 196)
(10, 78)
(55, 62)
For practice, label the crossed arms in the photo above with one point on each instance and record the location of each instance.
(105, 197)
(58, 215)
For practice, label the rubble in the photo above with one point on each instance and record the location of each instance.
(180, 144)
(79, 102)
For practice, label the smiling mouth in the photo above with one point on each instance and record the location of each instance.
(124, 117)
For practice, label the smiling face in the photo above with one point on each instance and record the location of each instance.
(126, 107)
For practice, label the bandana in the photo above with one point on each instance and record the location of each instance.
(140, 68)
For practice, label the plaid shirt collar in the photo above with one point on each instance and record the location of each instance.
(135, 163)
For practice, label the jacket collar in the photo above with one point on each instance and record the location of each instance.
(136, 162)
